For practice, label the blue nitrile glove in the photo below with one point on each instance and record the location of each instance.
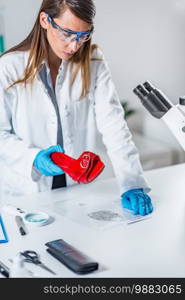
(137, 201)
(45, 165)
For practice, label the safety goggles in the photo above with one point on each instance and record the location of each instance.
(70, 35)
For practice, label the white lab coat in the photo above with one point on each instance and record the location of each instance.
(28, 123)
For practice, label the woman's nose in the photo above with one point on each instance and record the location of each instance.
(73, 46)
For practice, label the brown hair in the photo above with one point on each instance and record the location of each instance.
(38, 45)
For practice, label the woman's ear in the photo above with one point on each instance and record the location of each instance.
(44, 20)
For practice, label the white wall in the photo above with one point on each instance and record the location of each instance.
(18, 18)
(143, 39)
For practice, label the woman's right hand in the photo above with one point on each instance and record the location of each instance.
(45, 165)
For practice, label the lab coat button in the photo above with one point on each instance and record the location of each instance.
(53, 121)
(67, 114)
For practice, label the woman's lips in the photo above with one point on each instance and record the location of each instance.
(68, 54)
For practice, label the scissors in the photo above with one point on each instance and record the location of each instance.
(33, 257)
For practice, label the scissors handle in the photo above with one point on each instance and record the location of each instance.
(31, 256)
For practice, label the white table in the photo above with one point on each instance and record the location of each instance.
(154, 247)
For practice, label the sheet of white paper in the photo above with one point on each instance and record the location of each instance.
(97, 214)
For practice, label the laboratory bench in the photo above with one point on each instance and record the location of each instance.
(149, 247)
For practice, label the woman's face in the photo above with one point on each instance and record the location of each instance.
(68, 21)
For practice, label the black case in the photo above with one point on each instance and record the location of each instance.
(71, 257)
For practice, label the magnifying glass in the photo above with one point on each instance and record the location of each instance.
(36, 218)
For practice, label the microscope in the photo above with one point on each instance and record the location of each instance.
(162, 108)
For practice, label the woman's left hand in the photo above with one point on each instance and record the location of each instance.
(137, 201)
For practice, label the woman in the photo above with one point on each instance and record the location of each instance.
(56, 94)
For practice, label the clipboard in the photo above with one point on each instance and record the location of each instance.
(3, 233)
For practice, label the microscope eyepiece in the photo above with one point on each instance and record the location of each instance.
(148, 86)
(153, 100)
(140, 91)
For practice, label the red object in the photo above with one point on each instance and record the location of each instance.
(83, 170)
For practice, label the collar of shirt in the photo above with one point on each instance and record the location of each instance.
(48, 71)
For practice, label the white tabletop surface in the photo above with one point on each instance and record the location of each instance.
(154, 247)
